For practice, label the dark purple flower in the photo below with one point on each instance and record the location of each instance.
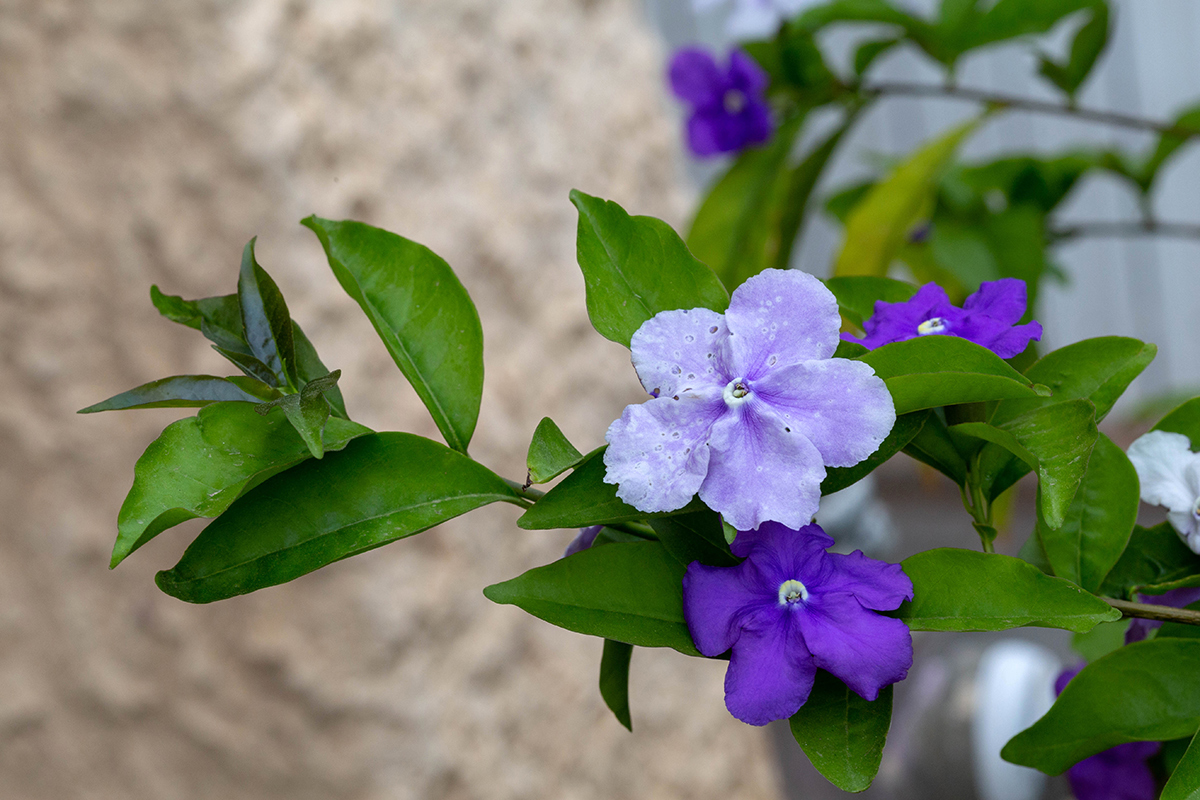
(729, 111)
(1140, 628)
(791, 608)
(988, 318)
(582, 541)
(748, 406)
(1119, 773)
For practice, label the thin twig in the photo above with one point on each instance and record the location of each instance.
(1000, 100)
(1178, 230)
(1148, 611)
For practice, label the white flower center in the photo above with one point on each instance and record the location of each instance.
(792, 591)
(931, 325)
(736, 392)
(734, 101)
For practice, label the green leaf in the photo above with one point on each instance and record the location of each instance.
(550, 454)
(614, 680)
(265, 320)
(870, 50)
(934, 447)
(1088, 44)
(186, 391)
(963, 590)
(906, 428)
(251, 366)
(630, 592)
(175, 308)
(1143, 692)
(635, 267)
(879, 225)
(1185, 419)
(1168, 145)
(583, 498)
(933, 371)
(858, 294)
(1100, 640)
(380, 488)
(698, 536)
(1098, 522)
(309, 367)
(841, 733)
(1008, 19)
(1184, 783)
(307, 411)
(218, 318)
(198, 466)
(1155, 561)
(421, 311)
(1179, 630)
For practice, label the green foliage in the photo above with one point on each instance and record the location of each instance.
(635, 267)
(963, 590)
(1143, 692)
(614, 680)
(1089, 42)
(696, 536)
(841, 733)
(1184, 419)
(1184, 783)
(421, 311)
(630, 592)
(266, 323)
(903, 432)
(858, 294)
(550, 454)
(307, 411)
(380, 488)
(1155, 561)
(187, 391)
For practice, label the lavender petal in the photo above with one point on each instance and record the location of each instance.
(678, 351)
(778, 318)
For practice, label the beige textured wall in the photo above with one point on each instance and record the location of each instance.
(145, 141)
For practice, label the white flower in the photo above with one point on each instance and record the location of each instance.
(1169, 473)
(755, 19)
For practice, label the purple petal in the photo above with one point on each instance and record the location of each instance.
(876, 584)
(757, 123)
(1065, 677)
(718, 601)
(1120, 773)
(746, 74)
(583, 540)
(898, 322)
(657, 453)
(866, 650)
(678, 351)
(841, 406)
(770, 672)
(695, 77)
(778, 318)
(706, 133)
(758, 470)
(1013, 341)
(1003, 300)
(1140, 628)
(782, 545)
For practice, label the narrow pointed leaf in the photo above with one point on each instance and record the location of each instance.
(380, 488)
(265, 320)
(421, 311)
(841, 733)
(198, 466)
(614, 680)
(251, 366)
(631, 592)
(635, 267)
(175, 308)
(186, 391)
(309, 367)
(1184, 783)
(964, 590)
(550, 454)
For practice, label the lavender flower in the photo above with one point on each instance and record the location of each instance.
(1140, 628)
(791, 608)
(755, 19)
(748, 406)
(583, 540)
(728, 109)
(1119, 773)
(1169, 473)
(987, 318)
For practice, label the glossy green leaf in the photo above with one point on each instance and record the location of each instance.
(857, 295)
(265, 320)
(218, 318)
(309, 367)
(1156, 560)
(841, 733)
(906, 428)
(1184, 783)
(421, 311)
(186, 391)
(307, 411)
(1100, 640)
(697, 536)
(175, 308)
(934, 371)
(879, 225)
(614, 680)
(934, 447)
(1184, 419)
(1144, 692)
(198, 466)
(550, 454)
(630, 592)
(964, 590)
(1098, 522)
(251, 366)
(583, 498)
(635, 267)
(380, 488)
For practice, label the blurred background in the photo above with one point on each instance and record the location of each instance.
(145, 142)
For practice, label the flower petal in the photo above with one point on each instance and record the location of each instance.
(745, 74)
(841, 406)
(677, 351)
(718, 601)
(695, 76)
(782, 545)
(1003, 300)
(780, 317)
(1160, 458)
(1008, 342)
(1119, 773)
(770, 672)
(876, 584)
(866, 650)
(760, 471)
(657, 453)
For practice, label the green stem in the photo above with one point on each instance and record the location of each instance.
(1149, 611)
(1149, 227)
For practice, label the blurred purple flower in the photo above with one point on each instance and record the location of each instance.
(988, 318)
(729, 111)
(1140, 628)
(748, 406)
(1119, 773)
(583, 540)
(791, 608)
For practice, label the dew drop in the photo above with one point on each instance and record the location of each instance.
(689, 338)
(713, 329)
(675, 370)
(771, 361)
